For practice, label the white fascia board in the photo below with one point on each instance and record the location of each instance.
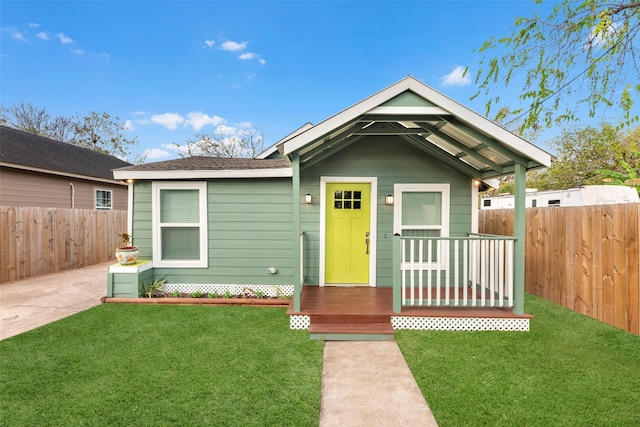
(205, 174)
(345, 116)
(275, 147)
(482, 124)
(65, 174)
(266, 153)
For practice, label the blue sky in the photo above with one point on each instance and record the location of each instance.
(172, 68)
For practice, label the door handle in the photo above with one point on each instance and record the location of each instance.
(367, 242)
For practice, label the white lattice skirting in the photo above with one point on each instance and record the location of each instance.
(438, 323)
(300, 321)
(267, 290)
(460, 323)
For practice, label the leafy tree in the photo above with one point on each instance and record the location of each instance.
(582, 152)
(101, 132)
(630, 176)
(95, 131)
(226, 141)
(582, 54)
(36, 120)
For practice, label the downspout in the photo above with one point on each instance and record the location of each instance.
(130, 209)
(73, 196)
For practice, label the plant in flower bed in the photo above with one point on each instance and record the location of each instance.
(151, 290)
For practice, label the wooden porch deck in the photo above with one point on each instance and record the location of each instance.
(349, 312)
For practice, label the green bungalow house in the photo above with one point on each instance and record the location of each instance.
(368, 219)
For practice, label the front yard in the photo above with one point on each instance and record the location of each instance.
(162, 365)
(569, 370)
(226, 366)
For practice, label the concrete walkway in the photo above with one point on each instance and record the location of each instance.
(30, 303)
(363, 383)
(368, 383)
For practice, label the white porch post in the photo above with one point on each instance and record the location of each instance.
(519, 231)
(297, 285)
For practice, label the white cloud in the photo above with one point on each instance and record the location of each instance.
(209, 43)
(156, 153)
(78, 51)
(248, 55)
(33, 25)
(597, 39)
(18, 36)
(251, 55)
(457, 77)
(168, 120)
(128, 125)
(234, 46)
(43, 36)
(197, 120)
(64, 39)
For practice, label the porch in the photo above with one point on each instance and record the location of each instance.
(366, 313)
(439, 283)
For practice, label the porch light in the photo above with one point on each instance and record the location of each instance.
(476, 182)
(129, 181)
(308, 199)
(388, 200)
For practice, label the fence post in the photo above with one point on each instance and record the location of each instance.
(396, 271)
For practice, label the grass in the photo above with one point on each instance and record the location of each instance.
(162, 365)
(569, 370)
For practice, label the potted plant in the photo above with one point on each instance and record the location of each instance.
(125, 253)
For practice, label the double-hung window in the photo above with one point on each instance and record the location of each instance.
(103, 199)
(179, 224)
(422, 210)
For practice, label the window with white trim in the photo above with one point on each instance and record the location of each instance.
(179, 224)
(104, 199)
(422, 210)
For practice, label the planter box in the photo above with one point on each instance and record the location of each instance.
(123, 281)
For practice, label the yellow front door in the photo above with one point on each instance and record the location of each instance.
(347, 233)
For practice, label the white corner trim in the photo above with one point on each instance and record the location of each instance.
(475, 207)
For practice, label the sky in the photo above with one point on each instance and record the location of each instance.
(170, 69)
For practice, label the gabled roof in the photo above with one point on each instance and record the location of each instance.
(207, 167)
(425, 118)
(26, 151)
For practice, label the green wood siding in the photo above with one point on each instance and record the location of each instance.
(249, 226)
(251, 220)
(392, 161)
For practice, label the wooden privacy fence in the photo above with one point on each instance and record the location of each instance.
(584, 258)
(37, 241)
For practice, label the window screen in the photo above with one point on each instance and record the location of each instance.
(103, 199)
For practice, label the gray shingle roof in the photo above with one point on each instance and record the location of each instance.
(33, 151)
(209, 163)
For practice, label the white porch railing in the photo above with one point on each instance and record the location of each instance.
(473, 271)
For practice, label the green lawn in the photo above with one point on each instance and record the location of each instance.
(189, 365)
(162, 365)
(569, 370)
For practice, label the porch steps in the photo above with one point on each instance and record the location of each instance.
(351, 327)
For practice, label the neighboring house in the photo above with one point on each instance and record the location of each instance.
(382, 195)
(40, 172)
